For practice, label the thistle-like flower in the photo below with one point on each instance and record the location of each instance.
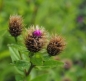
(35, 39)
(55, 46)
(66, 79)
(67, 64)
(15, 25)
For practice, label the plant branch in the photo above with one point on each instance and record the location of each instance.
(30, 69)
(31, 66)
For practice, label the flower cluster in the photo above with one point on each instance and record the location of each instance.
(36, 37)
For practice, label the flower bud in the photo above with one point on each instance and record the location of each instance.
(66, 79)
(35, 39)
(55, 46)
(15, 25)
(67, 64)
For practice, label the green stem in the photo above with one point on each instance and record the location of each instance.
(31, 66)
(16, 39)
(30, 69)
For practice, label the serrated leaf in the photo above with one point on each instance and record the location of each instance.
(41, 78)
(19, 78)
(46, 57)
(19, 47)
(25, 57)
(14, 53)
(21, 64)
(37, 60)
(52, 63)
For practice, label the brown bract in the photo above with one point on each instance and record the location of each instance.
(15, 25)
(55, 46)
(33, 43)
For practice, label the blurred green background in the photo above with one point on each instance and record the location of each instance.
(65, 17)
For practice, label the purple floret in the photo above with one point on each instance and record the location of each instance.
(80, 19)
(37, 33)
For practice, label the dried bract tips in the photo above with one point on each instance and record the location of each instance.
(35, 39)
(15, 25)
(55, 46)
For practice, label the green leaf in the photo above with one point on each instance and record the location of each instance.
(46, 57)
(52, 63)
(41, 78)
(19, 78)
(37, 60)
(14, 53)
(21, 64)
(20, 47)
(28, 78)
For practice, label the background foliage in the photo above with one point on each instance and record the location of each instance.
(65, 17)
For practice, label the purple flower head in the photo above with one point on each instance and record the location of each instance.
(80, 19)
(37, 33)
